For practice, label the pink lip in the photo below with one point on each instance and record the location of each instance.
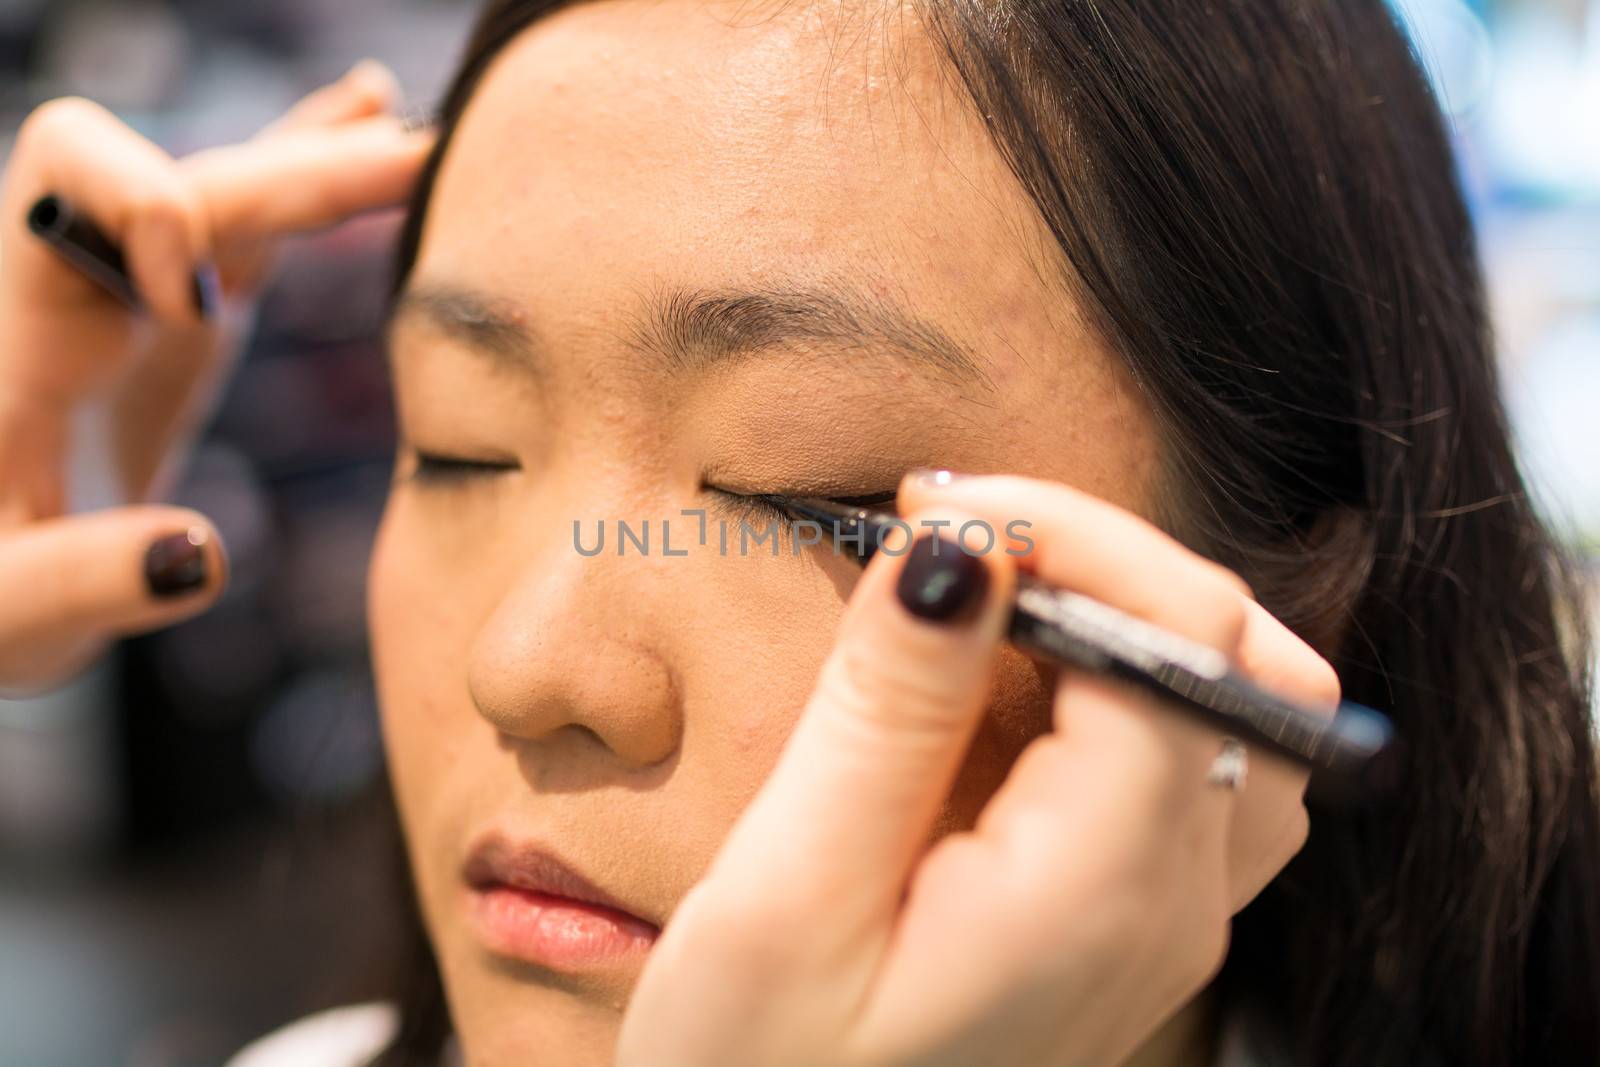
(525, 902)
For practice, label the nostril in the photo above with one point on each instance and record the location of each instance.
(509, 740)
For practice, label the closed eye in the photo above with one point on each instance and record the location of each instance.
(444, 471)
(744, 506)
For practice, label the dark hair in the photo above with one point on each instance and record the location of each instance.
(1255, 201)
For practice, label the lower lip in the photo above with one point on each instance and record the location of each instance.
(557, 931)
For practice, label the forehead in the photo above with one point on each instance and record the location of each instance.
(615, 146)
(621, 149)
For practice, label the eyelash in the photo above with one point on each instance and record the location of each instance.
(447, 471)
(451, 471)
(745, 507)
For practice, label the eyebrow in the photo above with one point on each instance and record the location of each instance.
(481, 323)
(695, 329)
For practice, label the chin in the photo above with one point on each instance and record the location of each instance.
(508, 1012)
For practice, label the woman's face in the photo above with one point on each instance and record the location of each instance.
(676, 249)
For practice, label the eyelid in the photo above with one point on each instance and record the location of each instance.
(875, 501)
(435, 470)
(748, 504)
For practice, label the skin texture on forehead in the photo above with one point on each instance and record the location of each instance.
(626, 710)
(619, 147)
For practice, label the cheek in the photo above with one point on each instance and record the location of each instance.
(414, 639)
(746, 684)
(755, 691)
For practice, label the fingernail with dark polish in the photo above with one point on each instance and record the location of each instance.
(176, 565)
(941, 580)
(207, 291)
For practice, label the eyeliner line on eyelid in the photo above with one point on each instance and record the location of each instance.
(747, 504)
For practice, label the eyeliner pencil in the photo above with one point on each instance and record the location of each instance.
(1078, 631)
(77, 240)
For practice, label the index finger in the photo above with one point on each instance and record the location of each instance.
(128, 186)
(310, 177)
(1092, 546)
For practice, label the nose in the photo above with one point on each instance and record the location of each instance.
(569, 645)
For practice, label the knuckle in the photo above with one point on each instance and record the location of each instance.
(1207, 616)
(337, 199)
(903, 692)
(1209, 949)
(1297, 832)
(1206, 930)
(1303, 674)
(1213, 605)
(75, 593)
(1323, 685)
(57, 119)
(1231, 579)
(1230, 615)
(168, 206)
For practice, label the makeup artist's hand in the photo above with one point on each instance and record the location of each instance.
(144, 380)
(1094, 895)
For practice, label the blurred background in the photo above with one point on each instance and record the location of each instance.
(193, 838)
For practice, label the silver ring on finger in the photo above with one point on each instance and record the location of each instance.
(1230, 766)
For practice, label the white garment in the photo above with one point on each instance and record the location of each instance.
(352, 1035)
(339, 1037)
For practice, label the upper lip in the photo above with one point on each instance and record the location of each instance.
(530, 865)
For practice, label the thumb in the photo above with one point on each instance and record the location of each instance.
(841, 821)
(366, 89)
(71, 580)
